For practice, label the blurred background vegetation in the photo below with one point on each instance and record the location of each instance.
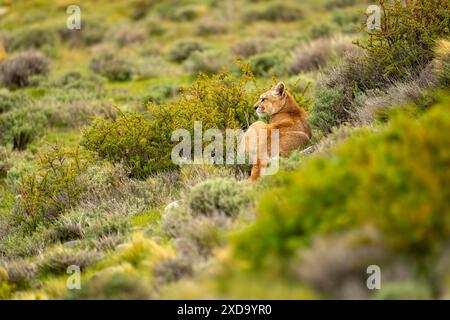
(86, 179)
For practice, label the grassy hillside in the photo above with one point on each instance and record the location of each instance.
(86, 177)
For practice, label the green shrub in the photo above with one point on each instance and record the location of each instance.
(142, 141)
(267, 63)
(13, 100)
(112, 66)
(278, 11)
(57, 260)
(320, 30)
(329, 109)
(185, 13)
(248, 47)
(393, 180)
(159, 93)
(20, 273)
(445, 75)
(209, 62)
(92, 32)
(221, 101)
(405, 42)
(112, 285)
(339, 3)
(21, 126)
(91, 225)
(211, 25)
(20, 242)
(221, 195)
(77, 81)
(406, 290)
(140, 8)
(183, 49)
(55, 186)
(17, 71)
(42, 39)
(133, 139)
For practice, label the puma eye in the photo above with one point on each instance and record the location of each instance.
(263, 99)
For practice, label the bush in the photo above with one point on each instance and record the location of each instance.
(320, 30)
(112, 66)
(75, 80)
(140, 8)
(142, 141)
(112, 285)
(57, 260)
(5, 163)
(248, 48)
(329, 109)
(133, 139)
(339, 4)
(183, 49)
(126, 35)
(185, 13)
(92, 32)
(41, 39)
(91, 225)
(20, 273)
(19, 127)
(277, 11)
(268, 63)
(318, 53)
(221, 195)
(208, 62)
(211, 26)
(13, 100)
(404, 44)
(55, 186)
(17, 71)
(159, 93)
(405, 290)
(372, 179)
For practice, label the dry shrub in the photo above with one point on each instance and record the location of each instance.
(17, 71)
(211, 25)
(249, 47)
(336, 266)
(375, 102)
(316, 54)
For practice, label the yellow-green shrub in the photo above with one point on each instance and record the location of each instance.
(221, 195)
(55, 186)
(404, 44)
(395, 180)
(142, 141)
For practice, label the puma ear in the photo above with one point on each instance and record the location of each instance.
(280, 89)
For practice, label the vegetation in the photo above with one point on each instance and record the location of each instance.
(87, 179)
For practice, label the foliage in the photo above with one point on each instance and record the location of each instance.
(17, 71)
(267, 63)
(405, 42)
(133, 139)
(183, 49)
(221, 195)
(275, 11)
(329, 109)
(112, 66)
(209, 62)
(43, 39)
(113, 285)
(142, 141)
(394, 180)
(55, 186)
(60, 258)
(21, 126)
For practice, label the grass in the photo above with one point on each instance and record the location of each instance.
(151, 246)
